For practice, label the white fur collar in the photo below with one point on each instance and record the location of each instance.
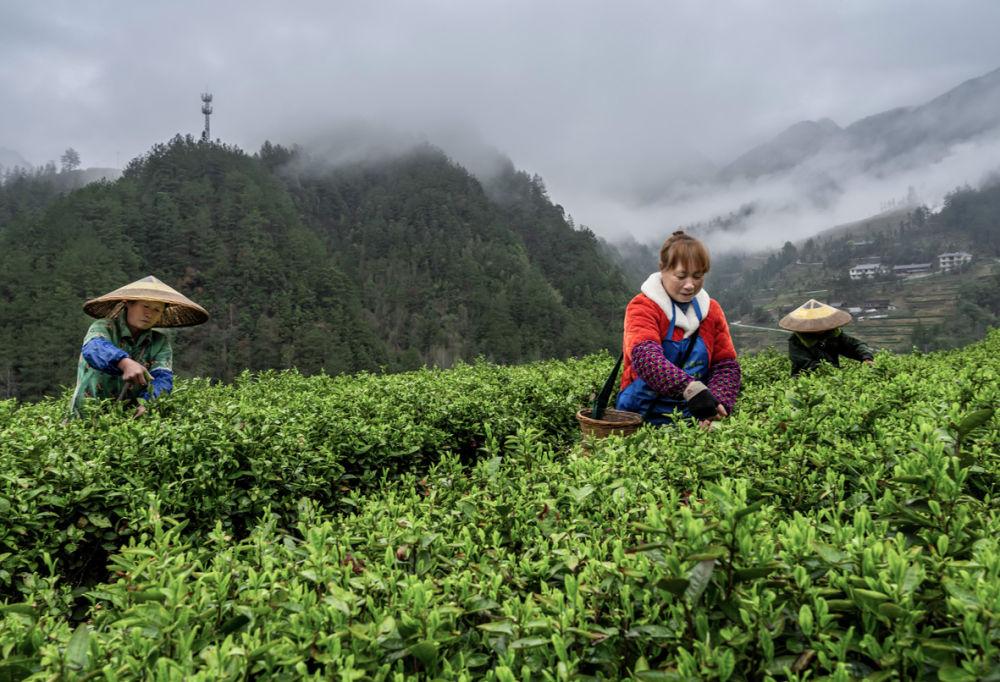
(653, 288)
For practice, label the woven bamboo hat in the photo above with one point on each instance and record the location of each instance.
(813, 316)
(181, 311)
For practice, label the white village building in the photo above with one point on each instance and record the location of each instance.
(949, 261)
(866, 271)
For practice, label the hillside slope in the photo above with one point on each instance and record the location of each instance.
(391, 264)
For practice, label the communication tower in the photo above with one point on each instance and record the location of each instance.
(206, 108)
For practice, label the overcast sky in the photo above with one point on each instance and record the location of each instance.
(596, 97)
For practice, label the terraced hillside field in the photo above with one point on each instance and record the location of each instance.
(918, 302)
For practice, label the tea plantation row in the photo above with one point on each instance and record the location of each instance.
(843, 525)
(212, 452)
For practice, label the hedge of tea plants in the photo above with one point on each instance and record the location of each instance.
(842, 526)
(223, 453)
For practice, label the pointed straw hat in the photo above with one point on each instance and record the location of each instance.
(813, 316)
(181, 311)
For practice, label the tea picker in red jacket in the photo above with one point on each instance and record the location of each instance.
(678, 355)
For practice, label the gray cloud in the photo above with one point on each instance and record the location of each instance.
(607, 101)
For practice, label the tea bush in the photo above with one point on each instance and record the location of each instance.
(213, 452)
(842, 525)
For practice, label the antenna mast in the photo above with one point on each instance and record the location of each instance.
(206, 108)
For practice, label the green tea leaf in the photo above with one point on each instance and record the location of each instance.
(481, 604)
(651, 631)
(675, 586)
(892, 611)
(973, 421)
(99, 520)
(141, 596)
(755, 507)
(78, 649)
(16, 668)
(700, 577)
(966, 597)
(951, 673)
(580, 494)
(869, 597)
(828, 553)
(233, 624)
(425, 651)
(709, 554)
(501, 627)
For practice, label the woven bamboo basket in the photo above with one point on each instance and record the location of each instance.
(618, 422)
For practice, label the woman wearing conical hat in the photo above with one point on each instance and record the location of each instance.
(817, 337)
(122, 355)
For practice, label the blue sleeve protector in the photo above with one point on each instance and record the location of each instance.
(163, 382)
(103, 356)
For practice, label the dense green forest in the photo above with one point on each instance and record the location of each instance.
(451, 269)
(387, 264)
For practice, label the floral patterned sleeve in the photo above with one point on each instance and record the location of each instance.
(725, 383)
(652, 366)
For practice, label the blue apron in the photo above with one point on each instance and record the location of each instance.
(654, 408)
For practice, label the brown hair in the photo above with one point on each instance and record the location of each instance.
(681, 248)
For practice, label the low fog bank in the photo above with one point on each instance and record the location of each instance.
(751, 215)
(741, 216)
(366, 142)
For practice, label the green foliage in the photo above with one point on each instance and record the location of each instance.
(449, 270)
(399, 263)
(838, 526)
(215, 452)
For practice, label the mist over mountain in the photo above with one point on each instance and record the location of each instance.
(817, 174)
(885, 142)
(11, 159)
(785, 151)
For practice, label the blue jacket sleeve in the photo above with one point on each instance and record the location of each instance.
(103, 356)
(163, 382)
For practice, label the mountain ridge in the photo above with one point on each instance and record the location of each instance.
(365, 266)
(959, 114)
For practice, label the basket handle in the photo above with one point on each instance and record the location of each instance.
(601, 403)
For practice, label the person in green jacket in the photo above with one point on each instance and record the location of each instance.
(125, 354)
(817, 337)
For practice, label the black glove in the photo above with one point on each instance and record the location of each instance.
(700, 401)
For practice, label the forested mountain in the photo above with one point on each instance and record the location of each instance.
(391, 263)
(449, 270)
(23, 190)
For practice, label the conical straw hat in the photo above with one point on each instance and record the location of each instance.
(180, 311)
(813, 316)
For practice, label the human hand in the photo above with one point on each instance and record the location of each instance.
(700, 401)
(132, 371)
(720, 413)
(869, 361)
(139, 411)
